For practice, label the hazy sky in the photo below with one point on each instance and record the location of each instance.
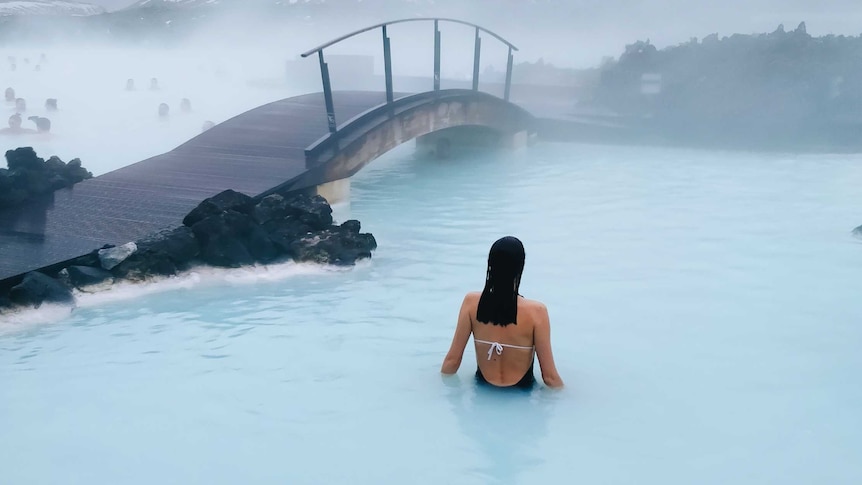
(587, 30)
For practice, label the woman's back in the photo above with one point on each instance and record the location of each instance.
(504, 354)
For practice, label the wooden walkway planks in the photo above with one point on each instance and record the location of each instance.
(250, 153)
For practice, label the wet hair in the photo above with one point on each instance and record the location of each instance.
(498, 304)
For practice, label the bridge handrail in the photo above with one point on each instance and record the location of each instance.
(327, 141)
(414, 19)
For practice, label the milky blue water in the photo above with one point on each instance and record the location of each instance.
(705, 316)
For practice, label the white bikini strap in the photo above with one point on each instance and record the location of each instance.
(498, 347)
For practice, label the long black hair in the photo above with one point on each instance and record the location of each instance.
(498, 304)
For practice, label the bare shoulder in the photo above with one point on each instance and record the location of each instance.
(535, 308)
(471, 299)
(534, 305)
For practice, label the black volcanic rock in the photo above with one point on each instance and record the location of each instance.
(29, 176)
(284, 232)
(314, 211)
(226, 252)
(37, 288)
(161, 254)
(338, 245)
(82, 277)
(311, 211)
(228, 200)
(222, 235)
(140, 266)
(227, 223)
(352, 226)
(260, 246)
(180, 244)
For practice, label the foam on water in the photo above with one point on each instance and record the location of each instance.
(198, 277)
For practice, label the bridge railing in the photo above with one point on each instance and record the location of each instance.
(387, 60)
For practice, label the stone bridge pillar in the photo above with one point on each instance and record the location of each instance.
(335, 192)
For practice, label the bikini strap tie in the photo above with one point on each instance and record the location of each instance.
(495, 346)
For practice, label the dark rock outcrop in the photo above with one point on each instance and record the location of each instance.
(29, 176)
(224, 201)
(857, 232)
(37, 288)
(339, 245)
(87, 278)
(230, 235)
(161, 254)
(226, 252)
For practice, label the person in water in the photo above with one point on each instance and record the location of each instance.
(507, 328)
(43, 125)
(15, 127)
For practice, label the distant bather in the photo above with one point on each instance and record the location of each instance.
(185, 105)
(15, 128)
(130, 85)
(20, 105)
(10, 95)
(43, 125)
(164, 110)
(51, 104)
(15, 122)
(207, 125)
(154, 84)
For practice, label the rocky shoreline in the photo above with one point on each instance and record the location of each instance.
(228, 230)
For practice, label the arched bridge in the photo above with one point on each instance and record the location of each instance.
(293, 144)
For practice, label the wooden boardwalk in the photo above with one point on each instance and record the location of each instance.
(250, 153)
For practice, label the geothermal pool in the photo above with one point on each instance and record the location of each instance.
(705, 313)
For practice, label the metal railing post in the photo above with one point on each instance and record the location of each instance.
(476, 51)
(508, 88)
(327, 93)
(387, 65)
(436, 55)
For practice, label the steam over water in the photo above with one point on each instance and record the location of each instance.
(108, 127)
(704, 305)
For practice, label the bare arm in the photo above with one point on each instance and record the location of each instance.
(462, 334)
(542, 337)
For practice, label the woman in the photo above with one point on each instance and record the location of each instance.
(506, 327)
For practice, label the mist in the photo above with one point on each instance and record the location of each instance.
(228, 60)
